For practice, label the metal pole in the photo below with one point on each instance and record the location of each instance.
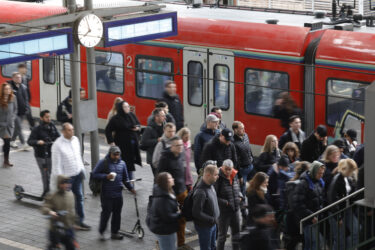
(91, 85)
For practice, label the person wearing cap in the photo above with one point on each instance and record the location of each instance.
(341, 145)
(294, 133)
(307, 199)
(67, 160)
(279, 175)
(350, 139)
(174, 103)
(206, 134)
(218, 112)
(263, 235)
(229, 196)
(114, 175)
(314, 145)
(62, 200)
(220, 148)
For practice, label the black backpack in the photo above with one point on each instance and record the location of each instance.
(187, 207)
(96, 184)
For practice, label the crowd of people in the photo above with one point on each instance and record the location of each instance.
(256, 197)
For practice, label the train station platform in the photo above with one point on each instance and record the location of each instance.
(22, 226)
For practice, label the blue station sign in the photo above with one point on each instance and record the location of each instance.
(141, 28)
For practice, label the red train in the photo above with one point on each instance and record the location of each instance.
(230, 58)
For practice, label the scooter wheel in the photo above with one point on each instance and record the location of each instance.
(140, 232)
(17, 192)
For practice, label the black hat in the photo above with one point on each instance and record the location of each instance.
(284, 161)
(228, 134)
(114, 150)
(321, 130)
(261, 211)
(352, 134)
(339, 143)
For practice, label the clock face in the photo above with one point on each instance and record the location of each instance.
(90, 30)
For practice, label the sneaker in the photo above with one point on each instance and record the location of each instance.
(13, 144)
(116, 236)
(83, 227)
(188, 231)
(103, 237)
(24, 147)
(86, 163)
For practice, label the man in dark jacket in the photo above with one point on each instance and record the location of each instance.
(205, 135)
(220, 148)
(244, 154)
(206, 210)
(152, 135)
(314, 145)
(293, 134)
(114, 175)
(41, 139)
(229, 196)
(172, 161)
(20, 91)
(174, 103)
(307, 199)
(22, 69)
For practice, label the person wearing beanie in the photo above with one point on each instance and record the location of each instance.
(308, 199)
(314, 145)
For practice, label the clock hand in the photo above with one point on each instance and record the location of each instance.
(88, 25)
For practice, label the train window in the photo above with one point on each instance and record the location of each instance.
(49, 70)
(195, 83)
(221, 86)
(343, 96)
(262, 89)
(109, 68)
(151, 75)
(67, 79)
(8, 69)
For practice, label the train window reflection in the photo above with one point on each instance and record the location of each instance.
(8, 69)
(195, 83)
(152, 73)
(67, 79)
(49, 70)
(343, 96)
(221, 86)
(262, 89)
(109, 72)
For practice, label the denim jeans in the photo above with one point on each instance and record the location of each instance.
(76, 182)
(349, 225)
(45, 167)
(18, 129)
(244, 172)
(167, 242)
(207, 237)
(311, 239)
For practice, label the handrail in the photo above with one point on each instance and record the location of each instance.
(328, 207)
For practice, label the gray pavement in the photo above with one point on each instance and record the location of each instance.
(22, 226)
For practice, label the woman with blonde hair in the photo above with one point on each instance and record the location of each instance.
(184, 134)
(113, 110)
(291, 150)
(330, 158)
(343, 184)
(8, 113)
(270, 154)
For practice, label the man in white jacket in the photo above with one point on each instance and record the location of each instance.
(67, 160)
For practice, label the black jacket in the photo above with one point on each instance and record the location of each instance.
(228, 195)
(164, 215)
(22, 98)
(204, 136)
(125, 138)
(206, 210)
(311, 148)
(328, 176)
(243, 150)
(283, 114)
(175, 165)
(266, 160)
(260, 237)
(253, 200)
(46, 132)
(287, 137)
(337, 191)
(307, 197)
(216, 151)
(150, 139)
(175, 108)
(65, 108)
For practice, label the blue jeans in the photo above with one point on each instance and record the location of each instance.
(311, 239)
(76, 182)
(207, 237)
(338, 231)
(244, 172)
(167, 242)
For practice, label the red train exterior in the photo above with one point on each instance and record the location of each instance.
(338, 58)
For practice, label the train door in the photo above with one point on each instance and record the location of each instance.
(207, 82)
(54, 82)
